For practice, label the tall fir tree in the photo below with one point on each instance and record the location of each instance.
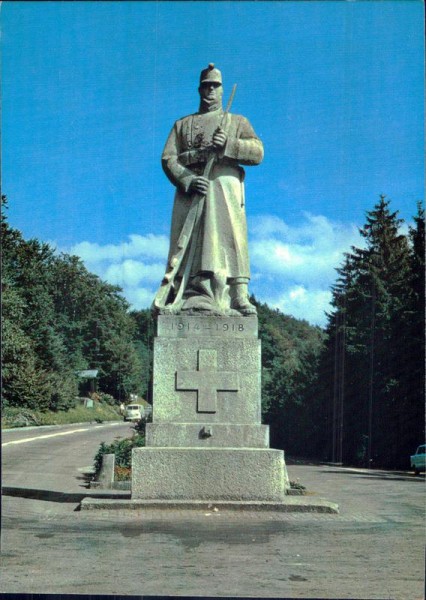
(371, 405)
(414, 381)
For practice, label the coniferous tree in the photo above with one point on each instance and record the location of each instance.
(414, 375)
(372, 406)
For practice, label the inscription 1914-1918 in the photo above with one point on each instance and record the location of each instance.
(195, 327)
(181, 326)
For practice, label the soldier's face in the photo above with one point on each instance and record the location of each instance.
(211, 91)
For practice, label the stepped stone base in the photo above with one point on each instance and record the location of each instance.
(206, 448)
(213, 474)
(206, 441)
(189, 435)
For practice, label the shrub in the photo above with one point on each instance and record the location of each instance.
(19, 417)
(140, 426)
(122, 450)
(64, 391)
(105, 398)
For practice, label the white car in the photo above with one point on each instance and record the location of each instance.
(133, 412)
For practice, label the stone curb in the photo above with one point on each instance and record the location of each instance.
(292, 504)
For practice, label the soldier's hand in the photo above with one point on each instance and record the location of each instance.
(219, 138)
(199, 185)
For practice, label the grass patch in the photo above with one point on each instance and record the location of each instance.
(23, 417)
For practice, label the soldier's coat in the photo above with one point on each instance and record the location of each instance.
(222, 242)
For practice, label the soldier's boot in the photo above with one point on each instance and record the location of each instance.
(240, 298)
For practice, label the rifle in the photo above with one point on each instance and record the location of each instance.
(187, 238)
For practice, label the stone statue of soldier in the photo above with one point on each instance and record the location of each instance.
(208, 264)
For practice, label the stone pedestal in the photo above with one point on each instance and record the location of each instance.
(206, 441)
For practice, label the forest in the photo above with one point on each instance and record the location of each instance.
(351, 393)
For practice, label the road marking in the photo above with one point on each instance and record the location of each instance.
(43, 437)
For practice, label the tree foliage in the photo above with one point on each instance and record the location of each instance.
(290, 353)
(59, 318)
(144, 338)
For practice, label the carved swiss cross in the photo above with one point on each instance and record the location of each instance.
(207, 381)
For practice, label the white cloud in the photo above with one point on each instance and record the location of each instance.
(312, 250)
(136, 265)
(292, 267)
(148, 246)
(303, 303)
(130, 273)
(140, 298)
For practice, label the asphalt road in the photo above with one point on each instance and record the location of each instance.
(373, 549)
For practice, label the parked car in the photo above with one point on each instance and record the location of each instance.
(417, 460)
(133, 412)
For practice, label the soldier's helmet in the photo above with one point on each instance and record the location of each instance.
(210, 75)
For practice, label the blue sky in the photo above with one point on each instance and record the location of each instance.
(91, 89)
